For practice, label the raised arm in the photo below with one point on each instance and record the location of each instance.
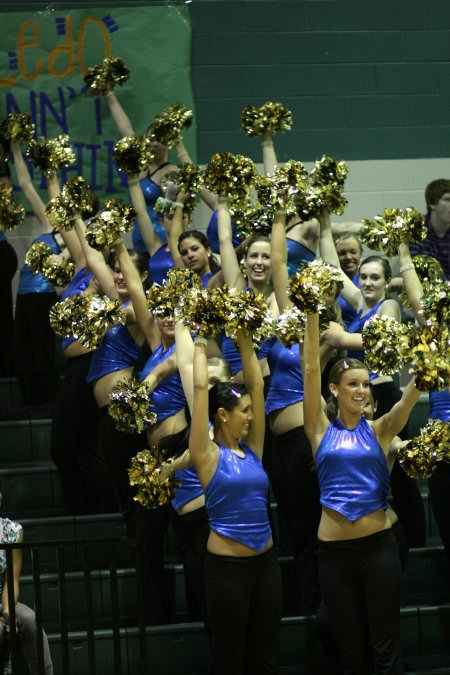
(390, 424)
(411, 281)
(69, 237)
(230, 264)
(316, 421)
(143, 316)
(278, 259)
(119, 115)
(28, 189)
(204, 453)
(328, 253)
(151, 239)
(268, 153)
(176, 229)
(254, 382)
(96, 262)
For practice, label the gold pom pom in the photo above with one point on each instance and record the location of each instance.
(99, 315)
(36, 255)
(11, 213)
(429, 355)
(188, 178)
(271, 117)
(204, 310)
(311, 283)
(394, 226)
(58, 270)
(247, 311)
(383, 341)
(429, 271)
(435, 304)
(116, 218)
(167, 127)
(49, 154)
(230, 175)
(19, 128)
(65, 315)
(290, 327)
(143, 473)
(133, 154)
(129, 406)
(75, 198)
(101, 78)
(420, 455)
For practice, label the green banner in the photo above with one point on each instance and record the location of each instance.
(45, 54)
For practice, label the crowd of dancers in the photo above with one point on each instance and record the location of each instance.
(233, 421)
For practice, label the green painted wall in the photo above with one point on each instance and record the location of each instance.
(365, 79)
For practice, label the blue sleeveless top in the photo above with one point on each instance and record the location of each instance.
(151, 192)
(78, 284)
(297, 255)
(236, 498)
(117, 350)
(286, 381)
(348, 313)
(189, 489)
(159, 264)
(440, 405)
(231, 353)
(352, 470)
(37, 283)
(213, 235)
(168, 397)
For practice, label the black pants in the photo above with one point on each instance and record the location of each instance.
(34, 348)
(296, 487)
(322, 626)
(243, 597)
(360, 582)
(194, 530)
(405, 491)
(8, 267)
(85, 482)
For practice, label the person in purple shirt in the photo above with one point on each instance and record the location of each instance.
(437, 220)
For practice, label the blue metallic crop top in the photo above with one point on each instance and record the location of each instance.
(159, 264)
(440, 405)
(231, 353)
(77, 284)
(117, 350)
(236, 499)
(352, 470)
(151, 192)
(286, 381)
(189, 489)
(168, 398)
(37, 283)
(297, 255)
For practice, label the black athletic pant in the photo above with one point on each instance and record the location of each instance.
(360, 583)
(243, 598)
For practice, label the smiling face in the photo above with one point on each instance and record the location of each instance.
(237, 421)
(120, 283)
(352, 390)
(257, 262)
(194, 255)
(166, 326)
(349, 251)
(372, 282)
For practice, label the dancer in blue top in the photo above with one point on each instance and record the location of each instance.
(358, 557)
(151, 180)
(349, 250)
(369, 299)
(243, 582)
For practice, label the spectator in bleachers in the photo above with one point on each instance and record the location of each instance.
(437, 220)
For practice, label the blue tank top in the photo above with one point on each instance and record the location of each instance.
(231, 353)
(151, 192)
(189, 489)
(297, 255)
(117, 350)
(236, 499)
(347, 311)
(352, 470)
(440, 405)
(159, 264)
(168, 397)
(37, 283)
(78, 284)
(213, 235)
(286, 381)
